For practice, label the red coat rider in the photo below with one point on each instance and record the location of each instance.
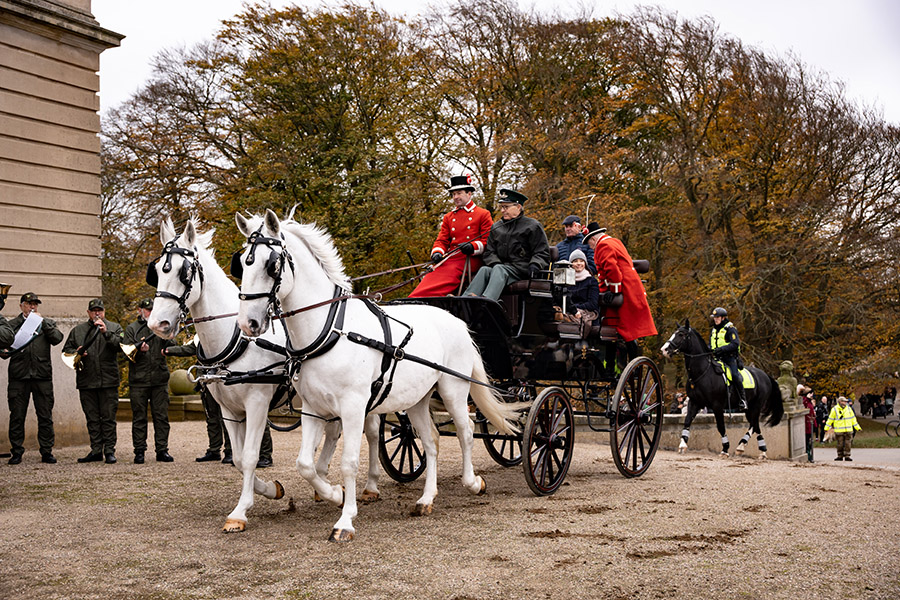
(466, 228)
(615, 271)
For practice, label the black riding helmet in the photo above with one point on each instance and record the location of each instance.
(719, 312)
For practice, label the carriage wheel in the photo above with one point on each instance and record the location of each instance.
(635, 429)
(506, 452)
(548, 441)
(400, 451)
(587, 374)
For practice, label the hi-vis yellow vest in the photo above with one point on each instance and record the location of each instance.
(842, 420)
(717, 337)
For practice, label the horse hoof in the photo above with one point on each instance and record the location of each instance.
(422, 510)
(481, 492)
(234, 526)
(723, 454)
(763, 456)
(279, 490)
(368, 497)
(317, 497)
(341, 536)
(739, 452)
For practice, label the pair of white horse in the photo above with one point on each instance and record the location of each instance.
(297, 266)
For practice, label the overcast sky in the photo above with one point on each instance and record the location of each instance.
(853, 41)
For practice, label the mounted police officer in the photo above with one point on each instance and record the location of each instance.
(465, 228)
(31, 375)
(148, 379)
(97, 380)
(516, 249)
(726, 346)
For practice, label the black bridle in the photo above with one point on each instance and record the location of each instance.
(690, 331)
(274, 266)
(190, 269)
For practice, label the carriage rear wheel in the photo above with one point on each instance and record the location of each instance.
(637, 423)
(506, 450)
(548, 441)
(400, 451)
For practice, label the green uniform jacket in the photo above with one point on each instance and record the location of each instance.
(7, 335)
(149, 368)
(186, 350)
(520, 242)
(33, 361)
(100, 368)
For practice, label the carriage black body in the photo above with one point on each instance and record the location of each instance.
(568, 377)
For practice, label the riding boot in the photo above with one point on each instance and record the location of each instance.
(742, 398)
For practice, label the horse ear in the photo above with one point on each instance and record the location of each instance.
(190, 234)
(242, 224)
(166, 231)
(687, 322)
(272, 222)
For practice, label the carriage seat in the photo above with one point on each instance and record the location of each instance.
(534, 287)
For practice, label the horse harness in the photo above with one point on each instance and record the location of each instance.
(186, 274)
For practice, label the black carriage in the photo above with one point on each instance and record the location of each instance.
(570, 376)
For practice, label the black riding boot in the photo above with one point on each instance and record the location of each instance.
(742, 398)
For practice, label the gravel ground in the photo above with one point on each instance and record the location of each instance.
(694, 526)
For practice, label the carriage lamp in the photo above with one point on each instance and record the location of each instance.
(563, 273)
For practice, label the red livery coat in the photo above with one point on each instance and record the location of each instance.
(467, 224)
(615, 271)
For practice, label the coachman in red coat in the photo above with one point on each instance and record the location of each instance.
(464, 232)
(616, 274)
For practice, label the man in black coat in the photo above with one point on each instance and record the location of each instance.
(97, 379)
(148, 380)
(31, 376)
(516, 249)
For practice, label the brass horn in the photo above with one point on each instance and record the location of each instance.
(130, 351)
(72, 360)
(4, 289)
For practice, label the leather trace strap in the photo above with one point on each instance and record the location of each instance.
(234, 349)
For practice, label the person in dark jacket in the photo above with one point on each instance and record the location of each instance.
(31, 376)
(583, 301)
(148, 379)
(516, 248)
(7, 335)
(215, 424)
(99, 342)
(575, 241)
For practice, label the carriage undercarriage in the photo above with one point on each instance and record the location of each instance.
(568, 383)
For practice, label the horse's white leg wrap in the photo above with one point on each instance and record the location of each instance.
(685, 436)
(725, 445)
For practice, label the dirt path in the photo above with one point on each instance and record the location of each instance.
(694, 526)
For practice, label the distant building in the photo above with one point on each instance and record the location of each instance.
(50, 173)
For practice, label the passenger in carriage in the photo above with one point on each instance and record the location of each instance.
(516, 249)
(583, 300)
(465, 228)
(575, 241)
(615, 271)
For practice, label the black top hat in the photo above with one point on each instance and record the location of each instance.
(592, 230)
(29, 297)
(461, 182)
(511, 196)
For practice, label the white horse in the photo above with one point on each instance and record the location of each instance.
(298, 266)
(190, 279)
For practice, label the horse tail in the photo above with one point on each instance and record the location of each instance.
(774, 407)
(502, 414)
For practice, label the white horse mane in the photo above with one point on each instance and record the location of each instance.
(320, 245)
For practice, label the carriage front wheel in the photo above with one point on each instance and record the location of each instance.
(548, 441)
(400, 451)
(636, 424)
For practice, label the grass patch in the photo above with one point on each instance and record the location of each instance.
(871, 436)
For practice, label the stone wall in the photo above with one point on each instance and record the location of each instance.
(50, 175)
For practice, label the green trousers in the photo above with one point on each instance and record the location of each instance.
(157, 397)
(100, 406)
(18, 393)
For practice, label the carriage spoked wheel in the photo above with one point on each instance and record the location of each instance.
(548, 441)
(400, 451)
(504, 449)
(636, 423)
